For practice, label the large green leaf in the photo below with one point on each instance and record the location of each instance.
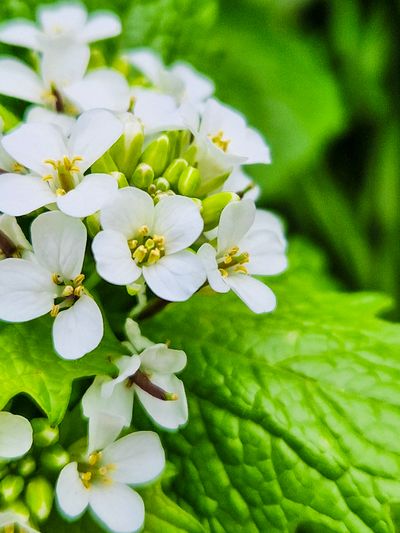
(294, 416)
(29, 364)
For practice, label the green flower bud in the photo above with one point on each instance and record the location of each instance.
(174, 170)
(93, 224)
(213, 206)
(18, 507)
(39, 496)
(26, 466)
(161, 184)
(105, 164)
(157, 154)
(54, 458)
(212, 184)
(190, 154)
(43, 433)
(189, 181)
(143, 176)
(122, 64)
(127, 150)
(97, 59)
(11, 487)
(174, 148)
(185, 139)
(120, 178)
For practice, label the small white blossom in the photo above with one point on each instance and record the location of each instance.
(13, 242)
(15, 435)
(157, 112)
(61, 21)
(52, 281)
(58, 164)
(140, 238)
(246, 245)
(100, 480)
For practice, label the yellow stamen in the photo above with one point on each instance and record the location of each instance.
(241, 269)
(140, 253)
(219, 141)
(133, 244)
(223, 272)
(234, 250)
(55, 278)
(79, 280)
(143, 230)
(68, 290)
(60, 192)
(94, 458)
(54, 310)
(17, 167)
(78, 291)
(48, 177)
(154, 256)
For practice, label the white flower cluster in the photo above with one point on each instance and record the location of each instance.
(132, 174)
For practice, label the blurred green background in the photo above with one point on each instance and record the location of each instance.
(321, 80)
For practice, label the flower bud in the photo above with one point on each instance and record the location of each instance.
(161, 184)
(143, 176)
(189, 181)
(18, 507)
(174, 148)
(120, 178)
(97, 59)
(105, 164)
(93, 224)
(39, 496)
(190, 154)
(11, 487)
(174, 170)
(26, 466)
(213, 206)
(54, 458)
(126, 151)
(157, 154)
(43, 433)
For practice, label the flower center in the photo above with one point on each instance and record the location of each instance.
(93, 470)
(146, 249)
(63, 177)
(233, 260)
(219, 141)
(69, 293)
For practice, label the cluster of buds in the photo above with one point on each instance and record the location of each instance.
(140, 162)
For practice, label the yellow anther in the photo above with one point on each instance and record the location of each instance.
(140, 253)
(68, 290)
(54, 310)
(159, 240)
(60, 192)
(150, 244)
(78, 291)
(223, 272)
(154, 256)
(143, 230)
(86, 476)
(132, 244)
(55, 278)
(219, 141)
(94, 458)
(17, 167)
(227, 259)
(51, 162)
(241, 269)
(234, 250)
(48, 177)
(103, 470)
(78, 280)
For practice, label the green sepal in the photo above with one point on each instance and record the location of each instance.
(213, 205)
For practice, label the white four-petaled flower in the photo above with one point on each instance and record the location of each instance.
(52, 281)
(140, 238)
(58, 164)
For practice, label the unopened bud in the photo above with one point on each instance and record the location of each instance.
(11, 487)
(162, 184)
(189, 181)
(126, 151)
(105, 164)
(174, 170)
(213, 206)
(97, 59)
(120, 178)
(93, 224)
(18, 507)
(174, 148)
(39, 496)
(190, 154)
(157, 154)
(54, 458)
(43, 433)
(143, 176)
(26, 466)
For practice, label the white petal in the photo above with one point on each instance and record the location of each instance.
(21, 194)
(257, 151)
(78, 330)
(64, 62)
(127, 366)
(138, 457)
(197, 86)
(59, 243)
(148, 62)
(114, 261)
(239, 181)
(94, 191)
(236, 220)
(177, 219)
(161, 359)
(167, 414)
(103, 88)
(15, 435)
(20, 33)
(158, 112)
(20, 81)
(62, 19)
(207, 254)
(218, 117)
(257, 296)
(26, 290)
(120, 508)
(175, 277)
(72, 496)
(31, 144)
(100, 26)
(267, 254)
(94, 133)
(118, 403)
(130, 209)
(104, 428)
(41, 114)
(11, 228)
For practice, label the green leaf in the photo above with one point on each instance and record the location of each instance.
(295, 415)
(30, 365)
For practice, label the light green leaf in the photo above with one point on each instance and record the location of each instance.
(29, 364)
(294, 416)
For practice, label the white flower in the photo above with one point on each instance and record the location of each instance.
(51, 281)
(180, 81)
(139, 238)
(100, 480)
(151, 375)
(157, 112)
(60, 21)
(15, 435)
(244, 249)
(239, 181)
(57, 165)
(13, 242)
(9, 519)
